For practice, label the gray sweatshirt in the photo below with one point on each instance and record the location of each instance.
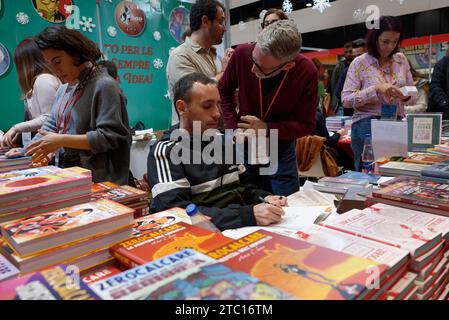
(101, 114)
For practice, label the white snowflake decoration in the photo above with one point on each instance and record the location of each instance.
(22, 18)
(287, 6)
(87, 24)
(157, 35)
(167, 95)
(171, 50)
(359, 14)
(321, 5)
(158, 63)
(112, 31)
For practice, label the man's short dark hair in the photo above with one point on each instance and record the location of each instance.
(202, 8)
(181, 89)
(110, 66)
(358, 43)
(348, 44)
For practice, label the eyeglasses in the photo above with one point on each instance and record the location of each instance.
(260, 68)
(266, 23)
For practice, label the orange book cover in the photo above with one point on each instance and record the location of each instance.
(66, 219)
(159, 243)
(426, 158)
(122, 194)
(302, 269)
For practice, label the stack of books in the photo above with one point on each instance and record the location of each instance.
(31, 191)
(131, 197)
(400, 168)
(438, 172)
(424, 236)
(445, 128)
(79, 235)
(425, 158)
(9, 164)
(335, 123)
(56, 283)
(395, 258)
(441, 149)
(340, 185)
(414, 193)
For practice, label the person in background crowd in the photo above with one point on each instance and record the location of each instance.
(321, 88)
(422, 84)
(340, 156)
(358, 48)
(197, 54)
(271, 16)
(439, 87)
(277, 90)
(339, 67)
(375, 78)
(217, 189)
(88, 125)
(38, 86)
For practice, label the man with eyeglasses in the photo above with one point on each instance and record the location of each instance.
(277, 90)
(197, 54)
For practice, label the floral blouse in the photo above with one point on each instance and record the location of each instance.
(364, 74)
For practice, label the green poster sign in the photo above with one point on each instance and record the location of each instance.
(137, 35)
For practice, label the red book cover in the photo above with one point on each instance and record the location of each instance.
(302, 269)
(154, 245)
(122, 194)
(415, 191)
(100, 273)
(426, 158)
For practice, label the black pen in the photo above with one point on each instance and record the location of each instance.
(267, 202)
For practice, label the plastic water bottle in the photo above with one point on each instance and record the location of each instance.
(368, 156)
(200, 220)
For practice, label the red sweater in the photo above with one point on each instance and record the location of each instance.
(293, 112)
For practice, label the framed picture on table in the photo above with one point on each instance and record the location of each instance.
(424, 131)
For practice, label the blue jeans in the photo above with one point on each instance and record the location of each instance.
(286, 180)
(359, 130)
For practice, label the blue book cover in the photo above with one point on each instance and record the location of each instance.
(438, 170)
(372, 178)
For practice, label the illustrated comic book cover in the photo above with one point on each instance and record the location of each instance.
(303, 270)
(56, 283)
(147, 247)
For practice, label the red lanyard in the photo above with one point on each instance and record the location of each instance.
(262, 115)
(76, 95)
(64, 121)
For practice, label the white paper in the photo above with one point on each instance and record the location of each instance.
(308, 196)
(297, 218)
(389, 138)
(422, 130)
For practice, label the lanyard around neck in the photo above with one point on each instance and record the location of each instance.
(262, 115)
